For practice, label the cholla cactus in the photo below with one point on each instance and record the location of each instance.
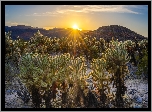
(60, 63)
(101, 77)
(143, 43)
(9, 44)
(130, 43)
(39, 43)
(13, 50)
(142, 58)
(78, 68)
(77, 78)
(117, 57)
(30, 69)
(40, 71)
(99, 68)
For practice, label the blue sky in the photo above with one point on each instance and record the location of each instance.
(87, 17)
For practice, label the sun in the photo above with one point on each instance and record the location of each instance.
(75, 26)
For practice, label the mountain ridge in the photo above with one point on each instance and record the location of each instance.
(115, 32)
(107, 32)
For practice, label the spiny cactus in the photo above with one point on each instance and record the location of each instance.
(130, 43)
(117, 57)
(99, 75)
(13, 50)
(139, 54)
(78, 70)
(42, 71)
(98, 66)
(39, 43)
(143, 64)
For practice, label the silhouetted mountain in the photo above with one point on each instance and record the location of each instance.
(117, 32)
(107, 32)
(22, 31)
(26, 32)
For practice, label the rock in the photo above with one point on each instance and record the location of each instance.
(133, 91)
(111, 105)
(24, 95)
(9, 91)
(137, 106)
(16, 94)
(138, 99)
(145, 97)
(141, 94)
(12, 101)
(26, 106)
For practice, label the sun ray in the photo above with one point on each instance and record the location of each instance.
(74, 38)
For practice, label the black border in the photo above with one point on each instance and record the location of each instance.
(76, 2)
(3, 3)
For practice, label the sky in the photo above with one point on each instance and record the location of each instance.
(86, 17)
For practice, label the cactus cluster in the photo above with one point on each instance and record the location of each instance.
(45, 74)
(42, 70)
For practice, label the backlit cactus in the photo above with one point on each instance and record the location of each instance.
(142, 58)
(77, 76)
(117, 57)
(99, 68)
(41, 70)
(36, 67)
(101, 78)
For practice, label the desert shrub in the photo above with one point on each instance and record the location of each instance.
(116, 57)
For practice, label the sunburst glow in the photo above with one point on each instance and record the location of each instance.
(75, 26)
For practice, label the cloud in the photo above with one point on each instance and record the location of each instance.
(68, 9)
(99, 8)
(9, 23)
(44, 14)
(48, 27)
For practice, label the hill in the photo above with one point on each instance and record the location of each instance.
(107, 32)
(117, 32)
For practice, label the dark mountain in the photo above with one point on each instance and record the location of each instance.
(22, 31)
(117, 32)
(107, 32)
(26, 32)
